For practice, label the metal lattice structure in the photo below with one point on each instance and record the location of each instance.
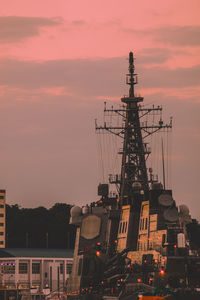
(135, 150)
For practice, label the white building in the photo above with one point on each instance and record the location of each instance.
(35, 269)
(2, 218)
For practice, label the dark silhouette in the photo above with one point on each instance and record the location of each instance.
(39, 227)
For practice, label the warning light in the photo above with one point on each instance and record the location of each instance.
(162, 272)
(139, 280)
(98, 253)
(117, 200)
(98, 243)
(156, 261)
(175, 246)
(151, 279)
(115, 241)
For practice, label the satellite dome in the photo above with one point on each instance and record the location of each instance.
(184, 210)
(75, 211)
(165, 200)
(171, 214)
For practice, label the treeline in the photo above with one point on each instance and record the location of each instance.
(39, 227)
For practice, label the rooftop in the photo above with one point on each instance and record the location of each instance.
(36, 252)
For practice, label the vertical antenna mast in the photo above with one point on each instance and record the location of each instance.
(133, 159)
(163, 165)
(135, 151)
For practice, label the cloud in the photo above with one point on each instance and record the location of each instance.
(178, 36)
(172, 35)
(15, 29)
(100, 77)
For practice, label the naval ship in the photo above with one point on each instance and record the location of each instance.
(135, 239)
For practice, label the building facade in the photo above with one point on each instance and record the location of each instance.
(2, 218)
(35, 269)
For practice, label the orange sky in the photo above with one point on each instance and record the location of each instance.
(59, 58)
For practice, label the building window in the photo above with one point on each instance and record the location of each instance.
(2, 215)
(1, 242)
(1, 197)
(61, 268)
(35, 268)
(8, 268)
(125, 229)
(146, 222)
(23, 268)
(120, 227)
(1, 224)
(1, 206)
(1, 233)
(68, 268)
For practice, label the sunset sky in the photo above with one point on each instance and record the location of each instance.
(59, 61)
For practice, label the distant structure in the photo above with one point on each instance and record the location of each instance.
(33, 271)
(2, 218)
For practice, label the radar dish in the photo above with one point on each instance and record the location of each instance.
(91, 227)
(184, 210)
(171, 214)
(75, 211)
(165, 200)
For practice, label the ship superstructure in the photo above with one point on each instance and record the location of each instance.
(139, 225)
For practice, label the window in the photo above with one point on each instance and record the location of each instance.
(35, 268)
(123, 227)
(1, 224)
(1, 233)
(1, 242)
(142, 224)
(9, 268)
(23, 268)
(61, 268)
(146, 223)
(68, 268)
(1, 197)
(2, 215)
(1, 206)
(120, 227)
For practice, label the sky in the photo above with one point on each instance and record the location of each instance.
(60, 60)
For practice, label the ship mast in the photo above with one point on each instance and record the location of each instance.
(135, 150)
(133, 159)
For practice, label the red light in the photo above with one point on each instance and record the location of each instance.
(98, 243)
(175, 246)
(162, 272)
(117, 200)
(139, 280)
(145, 261)
(98, 253)
(156, 261)
(115, 241)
